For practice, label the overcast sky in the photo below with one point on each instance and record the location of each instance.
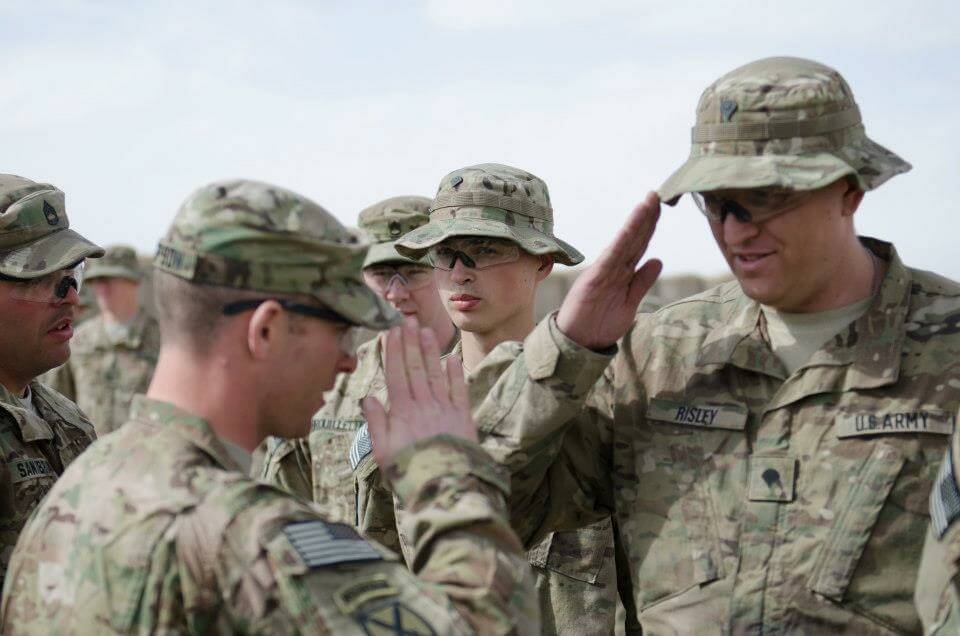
(128, 106)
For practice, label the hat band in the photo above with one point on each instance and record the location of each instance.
(762, 130)
(491, 200)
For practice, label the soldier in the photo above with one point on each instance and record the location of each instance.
(318, 468)
(490, 239)
(767, 446)
(41, 261)
(155, 529)
(113, 353)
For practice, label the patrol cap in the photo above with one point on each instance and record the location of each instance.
(492, 200)
(780, 122)
(119, 261)
(35, 235)
(256, 236)
(385, 222)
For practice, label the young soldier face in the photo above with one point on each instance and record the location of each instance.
(411, 289)
(481, 299)
(791, 261)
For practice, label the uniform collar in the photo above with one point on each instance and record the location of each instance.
(190, 427)
(32, 428)
(866, 354)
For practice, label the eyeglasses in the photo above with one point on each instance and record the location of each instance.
(349, 339)
(50, 289)
(476, 253)
(753, 205)
(382, 277)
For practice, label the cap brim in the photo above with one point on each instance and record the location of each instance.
(380, 253)
(53, 252)
(416, 243)
(867, 160)
(359, 304)
(106, 271)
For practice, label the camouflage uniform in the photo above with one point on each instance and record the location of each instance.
(154, 529)
(35, 240)
(575, 570)
(938, 595)
(105, 371)
(748, 501)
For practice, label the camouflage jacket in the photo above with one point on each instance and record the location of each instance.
(102, 376)
(34, 453)
(154, 530)
(746, 501)
(576, 576)
(938, 582)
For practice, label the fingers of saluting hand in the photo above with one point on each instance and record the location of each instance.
(398, 387)
(379, 426)
(633, 238)
(436, 378)
(643, 280)
(413, 360)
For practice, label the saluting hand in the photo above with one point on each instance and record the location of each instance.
(601, 304)
(425, 398)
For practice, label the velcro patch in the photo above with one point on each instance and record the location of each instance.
(860, 424)
(731, 417)
(29, 468)
(945, 498)
(361, 447)
(335, 425)
(320, 543)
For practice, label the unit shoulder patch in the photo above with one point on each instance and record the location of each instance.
(319, 543)
(393, 618)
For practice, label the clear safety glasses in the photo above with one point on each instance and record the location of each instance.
(476, 253)
(50, 289)
(382, 277)
(753, 205)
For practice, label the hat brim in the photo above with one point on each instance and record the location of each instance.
(868, 161)
(416, 243)
(50, 253)
(380, 253)
(359, 304)
(110, 271)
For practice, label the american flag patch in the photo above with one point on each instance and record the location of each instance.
(320, 543)
(361, 446)
(945, 498)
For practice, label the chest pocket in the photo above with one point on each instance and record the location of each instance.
(673, 524)
(578, 554)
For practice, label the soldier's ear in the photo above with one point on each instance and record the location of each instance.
(852, 197)
(546, 266)
(264, 329)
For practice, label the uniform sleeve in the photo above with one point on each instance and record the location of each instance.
(376, 516)
(287, 465)
(282, 568)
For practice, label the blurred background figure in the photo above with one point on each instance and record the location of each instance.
(113, 353)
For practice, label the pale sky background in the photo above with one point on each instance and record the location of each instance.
(128, 106)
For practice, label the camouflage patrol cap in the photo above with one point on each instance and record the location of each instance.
(255, 236)
(492, 200)
(780, 122)
(35, 235)
(119, 261)
(385, 222)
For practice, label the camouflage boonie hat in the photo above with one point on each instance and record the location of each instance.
(255, 236)
(492, 200)
(119, 261)
(387, 221)
(780, 122)
(35, 235)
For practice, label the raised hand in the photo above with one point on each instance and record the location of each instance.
(601, 304)
(425, 398)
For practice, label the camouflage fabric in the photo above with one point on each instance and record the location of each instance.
(746, 501)
(938, 582)
(576, 577)
(33, 453)
(153, 530)
(783, 122)
(35, 235)
(496, 201)
(118, 261)
(385, 222)
(104, 373)
(256, 236)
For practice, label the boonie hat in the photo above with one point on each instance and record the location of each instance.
(385, 222)
(496, 201)
(119, 261)
(780, 122)
(256, 236)
(35, 234)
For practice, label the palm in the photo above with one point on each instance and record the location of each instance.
(601, 305)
